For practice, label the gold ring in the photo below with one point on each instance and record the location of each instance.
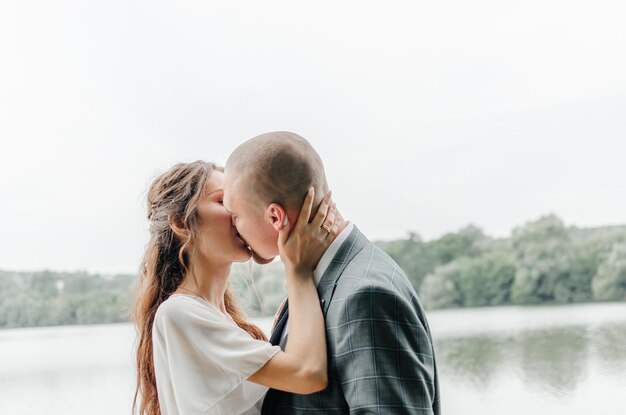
(327, 228)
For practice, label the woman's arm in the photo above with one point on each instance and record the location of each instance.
(302, 367)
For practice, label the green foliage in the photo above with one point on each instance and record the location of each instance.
(48, 298)
(440, 289)
(467, 242)
(418, 258)
(470, 282)
(543, 262)
(486, 280)
(413, 256)
(610, 281)
(542, 251)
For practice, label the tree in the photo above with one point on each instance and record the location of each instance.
(468, 242)
(584, 262)
(541, 250)
(440, 289)
(610, 281)
(412, 255)
(485, 280)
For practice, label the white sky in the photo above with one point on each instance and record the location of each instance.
(428, 115)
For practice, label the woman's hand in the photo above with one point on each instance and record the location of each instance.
(302, 367)
(302, 248)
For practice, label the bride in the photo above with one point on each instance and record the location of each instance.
(196, 353)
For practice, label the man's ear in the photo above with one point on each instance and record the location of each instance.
(180, 232)
(276, 215)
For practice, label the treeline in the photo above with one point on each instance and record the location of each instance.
(542, 262)
(48, 298)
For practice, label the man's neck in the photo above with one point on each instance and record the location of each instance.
(341, 225)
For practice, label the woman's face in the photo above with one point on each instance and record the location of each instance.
(217, 238)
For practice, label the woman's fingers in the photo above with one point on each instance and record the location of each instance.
(333, 233)
(303, 244)
(327, 224)
(305, 210)
(322, 211)
(331, 218)
(331, 225)
(283, 233)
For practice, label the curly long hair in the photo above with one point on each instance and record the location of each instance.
(172, 197)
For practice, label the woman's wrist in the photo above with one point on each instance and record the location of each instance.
(298, 274)
(298, 269)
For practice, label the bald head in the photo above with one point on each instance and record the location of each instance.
(278, 167)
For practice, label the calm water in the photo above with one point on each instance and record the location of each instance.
(543, 360)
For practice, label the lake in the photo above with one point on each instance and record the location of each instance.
(505, 360)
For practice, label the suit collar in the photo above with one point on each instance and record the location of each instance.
(347, 251)
(326, 286)
(330, 253)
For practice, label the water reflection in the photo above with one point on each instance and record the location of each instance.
(610, 349)
(475, 360)
(568, 360)
(554, 361)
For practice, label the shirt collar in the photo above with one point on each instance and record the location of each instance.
(330, 253)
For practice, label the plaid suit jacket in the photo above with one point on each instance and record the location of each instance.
(380, 353)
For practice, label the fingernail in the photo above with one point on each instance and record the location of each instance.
(311, 190)
(285, 221)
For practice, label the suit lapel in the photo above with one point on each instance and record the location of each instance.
(326, 288)
(280, 324)
(347, 251)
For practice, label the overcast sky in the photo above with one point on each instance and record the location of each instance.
(428, 115)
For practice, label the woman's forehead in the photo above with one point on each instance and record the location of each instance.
(214, 182)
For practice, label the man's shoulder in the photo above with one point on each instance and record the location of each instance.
(374, 270)
(370, 255)
(373, 279)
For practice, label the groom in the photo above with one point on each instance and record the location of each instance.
(380, 352)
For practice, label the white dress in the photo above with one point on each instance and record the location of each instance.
(202, 360)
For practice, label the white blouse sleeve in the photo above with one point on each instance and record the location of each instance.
(201, 357)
